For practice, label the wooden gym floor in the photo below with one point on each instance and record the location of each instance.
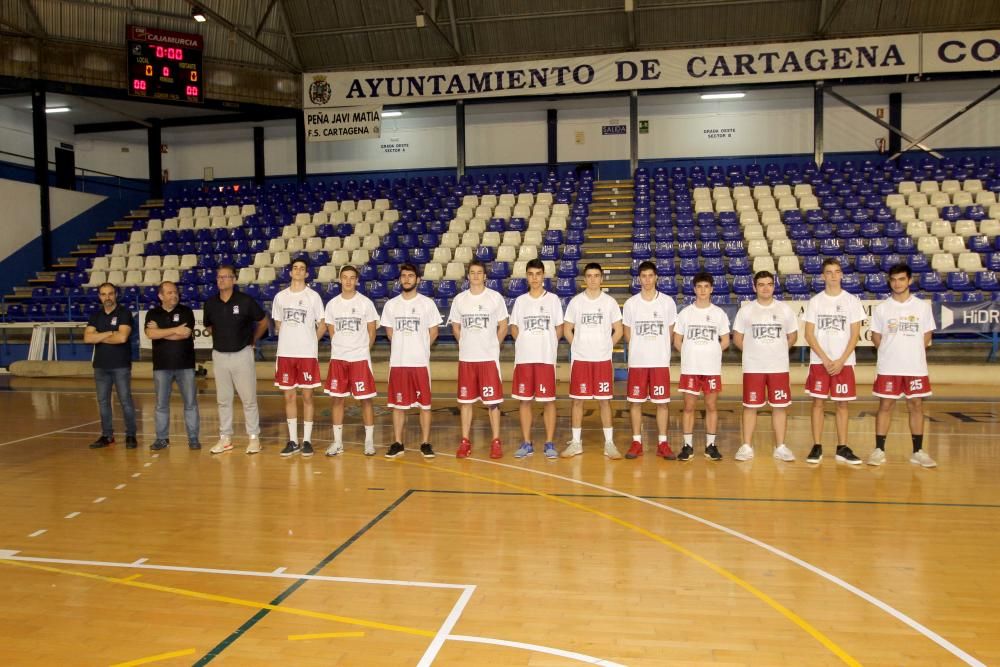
(116, 557)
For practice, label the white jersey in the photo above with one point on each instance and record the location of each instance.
(299, 314)
(350, 318)
(650, 322)
(479, 315)
(592, 320)
(902, 326)
(832, 317)
(765, 330)
(701, 351)
(536, 321)
(411, 321)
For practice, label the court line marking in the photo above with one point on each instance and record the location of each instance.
(40, 531)
(155, 658)
(42, 435)
(120, 487)
(445, 630)
(10, 557)
(100, 500)
(72, 515)
(326, 635)
(892, 611)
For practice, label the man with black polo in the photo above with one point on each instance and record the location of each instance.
(108, 330)
(236, 322)
(171, 327)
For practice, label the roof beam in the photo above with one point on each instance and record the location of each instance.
(286, 25)
(454, 27)
(263, 18)
(219, 18)
(38, 30)
(829, 17)
(435, 27)
(131, 8)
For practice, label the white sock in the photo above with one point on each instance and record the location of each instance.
(577, 434)
(709, 439)
(338, 434)
(608, 434)
(307, 431)
(637, 437)
(293, 427)
(370, 434)
(689, 439)
(663, 437)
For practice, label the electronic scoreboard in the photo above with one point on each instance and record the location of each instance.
(165, 65)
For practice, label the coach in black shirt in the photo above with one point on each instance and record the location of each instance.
(108, 330)
(171, 328)
(236, 323)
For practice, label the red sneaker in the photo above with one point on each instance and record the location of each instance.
(464, 449)
(663, 449)
(496, 449)
(635, 451)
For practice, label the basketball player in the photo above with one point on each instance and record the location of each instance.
(536, 325)
(478, 319)
(411, 321)
(649, 318)
(593, 326)
(109, 330)
(765, 329)
(701, 335)
(351, 320)
(298, 318)
(833, 324)
(902, 327)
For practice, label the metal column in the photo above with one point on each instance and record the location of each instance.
(154, 139)
(633, 130)
(300, 147)
(460, 138)
(553, 138)
(818, 123)
(41, 146)
(258, 156)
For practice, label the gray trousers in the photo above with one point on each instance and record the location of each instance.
(236, 370)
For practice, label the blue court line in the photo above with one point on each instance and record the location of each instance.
(724, 499)
(240, 631)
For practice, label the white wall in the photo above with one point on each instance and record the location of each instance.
(579, 137)
(20, 220)
(119, 153)
(926, 105)
(17, 136)
(498, 134)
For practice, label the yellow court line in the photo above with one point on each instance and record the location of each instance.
(211, 597)
(131, 577)
(326, 635)
(745, 585)
(155, 658)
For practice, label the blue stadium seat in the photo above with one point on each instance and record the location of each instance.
(855, 246)
(805, 247)
(959, 281)
(980, 244)
(739, 266)
(852, 283)
(419, 255)
(881, 246)
(919, 263)
(812, 264)
(565, 287)
(548, 251)
(987, 281)
(795, 284)
(498, 270)
(931, 282)
(566, 269)
(387, 272)
(639, 250)
(867, 264)
(486, 253)
(905, 245)
(571, 252)
(667, 285)
(516, 287)
(743, 285)
(735, 249)
(992, 261)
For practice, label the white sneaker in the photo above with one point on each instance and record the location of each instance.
(573, 448)
(611, 451)
(744, 453)
(876, 458)
(369, 449)
(335, 449)
(223, 445)
(254, 446)
(783, 453)
(921, 458)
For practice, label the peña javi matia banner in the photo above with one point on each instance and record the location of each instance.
(888, 55)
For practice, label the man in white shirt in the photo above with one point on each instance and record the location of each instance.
(902, 327)
(701, 335)
(536, 325)
(765, 329)
(478, 319)
(592, 325)
(298, 316)
(649, 318)
(833, 324)
(411, 321)
(351, 320)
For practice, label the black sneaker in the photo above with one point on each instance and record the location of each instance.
(845, 455)
(194, 444)
(131, 442)
(159, 444)
(290, 449)
(103, 441)
(307, 449)
(712, 452)
(686, 453)
(427, 450)
(395, 449)
(815, 454)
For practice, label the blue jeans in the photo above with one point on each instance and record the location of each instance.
(121, 378)
(163, 381)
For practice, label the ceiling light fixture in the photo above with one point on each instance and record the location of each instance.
(56, 109)
(723, 96)
(391, 114)
(198, 15)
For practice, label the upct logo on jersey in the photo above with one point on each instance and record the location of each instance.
(320, 91)
(475, 320)
(907, 325)
(766, 331)
(351, 324)
(536, 323)
(831, 322)
(177, 317)
(591, 319)
(702, 332)
(236, 310)
(648, 328)
(293, 315)
(407, 324)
